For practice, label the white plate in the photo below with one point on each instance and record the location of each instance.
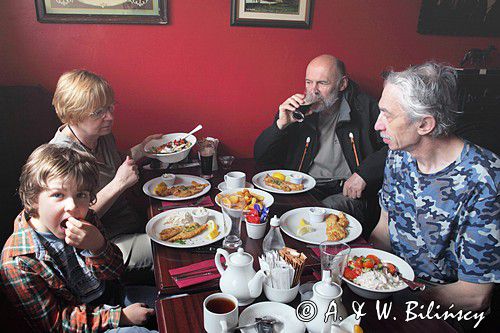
(268, 198)
(156, 225)
(222, 186)
(179, 180)
(279, 311)
(403, 267)
(258, 180)
(289, 223)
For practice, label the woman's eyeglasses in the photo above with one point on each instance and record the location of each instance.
(101, 112)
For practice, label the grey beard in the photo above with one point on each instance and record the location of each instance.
(328, 102)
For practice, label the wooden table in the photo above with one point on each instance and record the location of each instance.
(180, 310)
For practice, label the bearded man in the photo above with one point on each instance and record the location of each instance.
(348, 173)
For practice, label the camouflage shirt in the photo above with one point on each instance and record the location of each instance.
(446, 225)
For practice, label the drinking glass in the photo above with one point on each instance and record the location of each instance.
(226, 161)
(232, 216)
(309, 100)
(334, 256)
(206, 153)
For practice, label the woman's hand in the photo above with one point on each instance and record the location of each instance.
(135, 314)
(137, 151)
(127, 174)
(84, 235)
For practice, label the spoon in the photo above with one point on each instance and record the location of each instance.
(265, 319)
(196, 129)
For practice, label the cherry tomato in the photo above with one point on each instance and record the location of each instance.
(358, 262)
(392, 269)
(350, 274)
(253, 219)
(373, 257)
(368, 263)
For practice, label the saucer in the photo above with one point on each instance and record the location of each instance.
(222, 186)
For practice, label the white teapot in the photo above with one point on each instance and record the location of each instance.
(324, 292)
(239, 278)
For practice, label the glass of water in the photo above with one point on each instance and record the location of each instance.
(334, 256)
(232, 217)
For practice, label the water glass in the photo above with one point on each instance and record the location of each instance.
(232, 216)
(334, 256)
(226, 161)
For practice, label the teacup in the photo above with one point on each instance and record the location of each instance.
(220, 313)
(235, 179)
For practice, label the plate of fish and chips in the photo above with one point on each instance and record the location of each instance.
(244, 198)
(336, 226)
(284, 181)
(177, 228)
(185, 187)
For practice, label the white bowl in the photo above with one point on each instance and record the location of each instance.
(402, 266)
(316, 214)
(200, 215)
(280, 295)
(268, 198)
(296, 178)
(256, 230)
(173, 157)
(168, 179)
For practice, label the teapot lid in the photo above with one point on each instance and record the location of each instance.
(327, 290)
(240, 258)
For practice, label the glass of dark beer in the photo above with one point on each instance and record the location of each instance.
(300, 112)
(206, 154)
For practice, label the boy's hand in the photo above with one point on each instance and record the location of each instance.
(135, 314)
(84, 235)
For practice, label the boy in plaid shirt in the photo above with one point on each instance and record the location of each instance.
(56, 264)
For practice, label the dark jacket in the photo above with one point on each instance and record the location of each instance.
(276, 148)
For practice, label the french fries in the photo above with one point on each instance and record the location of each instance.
(241, 199)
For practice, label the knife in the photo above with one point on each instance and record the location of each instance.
(196, 203)
(208, 250)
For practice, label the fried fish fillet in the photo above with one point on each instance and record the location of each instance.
(165, 234)
(336, 227)
(183, 191)
(189, 231)
(282, 185)
(162, 190)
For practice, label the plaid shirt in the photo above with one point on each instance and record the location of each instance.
(34, 286)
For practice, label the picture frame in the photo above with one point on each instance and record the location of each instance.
(272, 13)
(102, 11)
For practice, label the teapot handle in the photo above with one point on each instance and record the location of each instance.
(218, 264)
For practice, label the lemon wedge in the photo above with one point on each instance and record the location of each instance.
(279, 175)
(303, 223)
(213, 230)
(301, 231)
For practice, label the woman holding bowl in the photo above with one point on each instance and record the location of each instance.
(84, 102)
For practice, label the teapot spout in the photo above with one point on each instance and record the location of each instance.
(255, 284)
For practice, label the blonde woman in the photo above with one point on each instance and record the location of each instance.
(84, 102)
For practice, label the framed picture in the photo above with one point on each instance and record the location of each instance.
(102, 11)
(272, 13)
(460, 18)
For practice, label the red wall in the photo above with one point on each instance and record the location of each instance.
(199, 69)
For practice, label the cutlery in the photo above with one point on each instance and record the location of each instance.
(311, 246)
(196, 203)
(192, 276)
(207, 250)
(413, 285)
(267, 320)
(195, 270)
(196, 129)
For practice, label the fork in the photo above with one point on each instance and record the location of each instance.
(195, 275)
(196, 203)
